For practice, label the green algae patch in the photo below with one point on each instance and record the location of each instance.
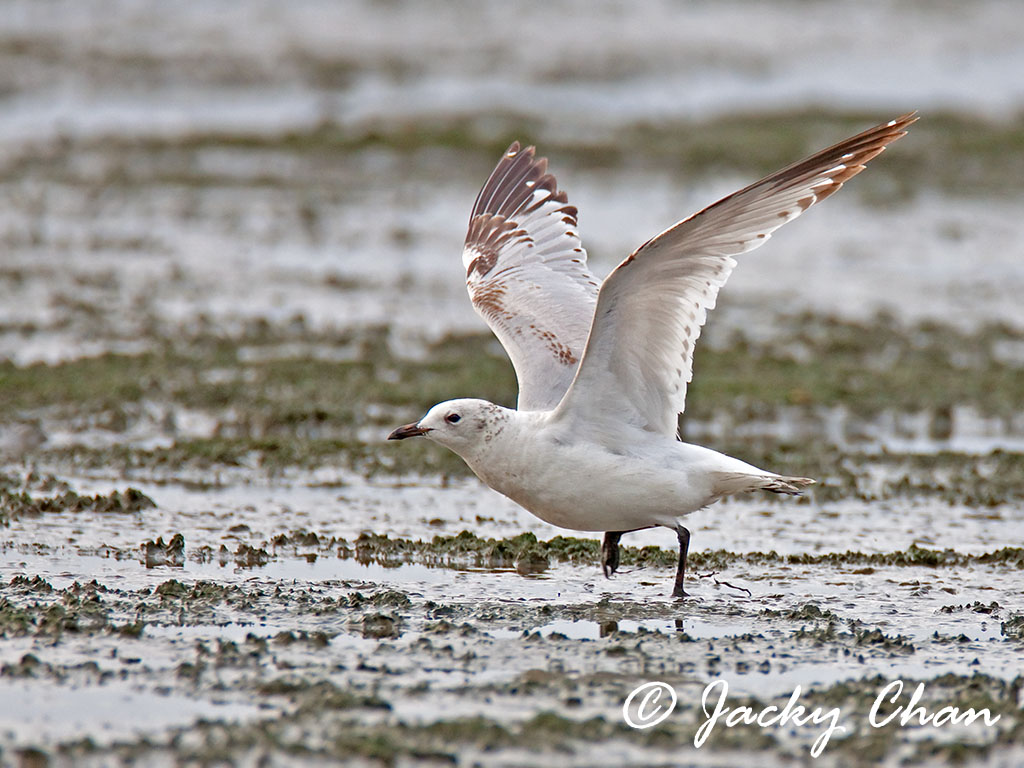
(826, 361)
(14, 619)
(982, 156)
(273, 409)
(914, 555)
(805, 612)
(30, 585)
(319, 696)
(329, 722)
(467, 548)
(96, 383)
(815, 360)
(204, 591)
(130, 501)
(79, 610)
(1013, 627)
(158, 553)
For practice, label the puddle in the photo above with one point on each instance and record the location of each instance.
(963, 430)
(236, 633)
(335, 569)
(471, 638)
(133, 574)
(39, 712)
(698, 629)
(435, 582)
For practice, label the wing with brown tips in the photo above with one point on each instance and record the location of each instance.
(527, 275)
(639, 355)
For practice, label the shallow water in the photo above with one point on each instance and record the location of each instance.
(839, 261)
(36, 712)
(92, 214)
(473, 637)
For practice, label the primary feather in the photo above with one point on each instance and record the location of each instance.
(639, 355)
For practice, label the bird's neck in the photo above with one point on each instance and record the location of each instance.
(505, 447)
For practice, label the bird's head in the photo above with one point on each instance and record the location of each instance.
(461, 425)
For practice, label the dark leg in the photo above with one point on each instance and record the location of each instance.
(610, 552)
(684, 548)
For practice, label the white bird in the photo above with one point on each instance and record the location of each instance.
(603, 370)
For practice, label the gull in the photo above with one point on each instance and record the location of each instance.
(602, 369)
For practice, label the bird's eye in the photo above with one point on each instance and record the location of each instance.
(452, 418)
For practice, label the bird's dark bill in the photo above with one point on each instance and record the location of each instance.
(408, 430)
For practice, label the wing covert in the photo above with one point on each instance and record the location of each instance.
(527, 275)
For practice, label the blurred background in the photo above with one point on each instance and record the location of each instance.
(230, 264)
(163, 165)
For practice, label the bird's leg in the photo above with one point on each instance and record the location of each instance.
(684, 548)
(610, 552)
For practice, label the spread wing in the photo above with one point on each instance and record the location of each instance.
(527, 275)
(639, 355)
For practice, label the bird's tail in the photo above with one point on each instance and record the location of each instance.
(728, 483)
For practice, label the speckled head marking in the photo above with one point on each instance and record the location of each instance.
(466, 426)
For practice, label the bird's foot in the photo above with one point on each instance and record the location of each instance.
(610, 553)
